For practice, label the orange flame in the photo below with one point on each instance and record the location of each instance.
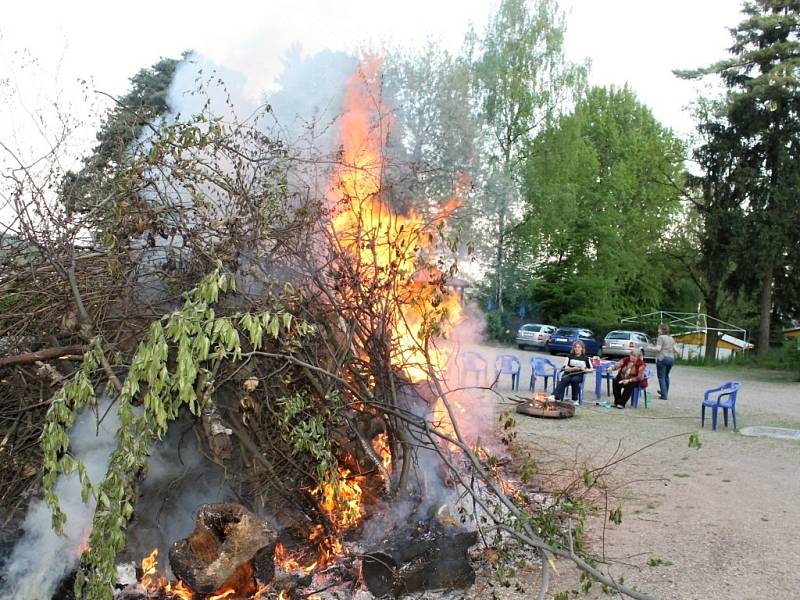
(290, 562)
(179, 590)
(225, 594)
(84, 546)
(341, 500)
(380, 443)
(151, 580)
(385, 247)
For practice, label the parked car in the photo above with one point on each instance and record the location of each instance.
(534, 335)
(562, 339)
(621, 342)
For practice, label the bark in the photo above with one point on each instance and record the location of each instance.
(712, 310)
(765, 313)
(31, 357)
(499, 257)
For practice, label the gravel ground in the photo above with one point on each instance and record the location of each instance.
(719, 522)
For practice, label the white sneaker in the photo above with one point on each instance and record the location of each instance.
(576, 403)
(551, 398)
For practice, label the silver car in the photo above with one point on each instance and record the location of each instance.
(534, 335)
(620, 343)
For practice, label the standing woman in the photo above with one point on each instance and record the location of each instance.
(665, 358)
(575, 367)
(631, 372)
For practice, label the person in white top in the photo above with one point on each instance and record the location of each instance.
(575, 367)
(665, 358)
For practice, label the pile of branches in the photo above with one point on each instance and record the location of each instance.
(203, 275)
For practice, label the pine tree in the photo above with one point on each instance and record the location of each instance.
(763, 110)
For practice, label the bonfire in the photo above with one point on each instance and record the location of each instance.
(311, 351)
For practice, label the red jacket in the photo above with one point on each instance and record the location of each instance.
(639, 368)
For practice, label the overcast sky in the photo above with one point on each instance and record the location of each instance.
(634, 41)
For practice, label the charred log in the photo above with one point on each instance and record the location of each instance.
(420, 558)
(230, 547)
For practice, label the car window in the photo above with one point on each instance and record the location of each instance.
(549, 329)
(565, 332)
(642, 338)
(585, 333)
(618, 335)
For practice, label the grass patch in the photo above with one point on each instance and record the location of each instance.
(657, 561)
(680, 475)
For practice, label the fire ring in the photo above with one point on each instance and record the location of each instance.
(546, 410)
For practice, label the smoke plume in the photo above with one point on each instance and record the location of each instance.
(41, 558)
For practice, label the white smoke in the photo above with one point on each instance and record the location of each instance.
(177, 482)
(41, 558)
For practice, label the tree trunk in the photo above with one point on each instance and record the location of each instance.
(712, 310)
(498, 281)
(765, 313)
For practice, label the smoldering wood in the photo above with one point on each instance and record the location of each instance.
(420, 558)
(228, 546)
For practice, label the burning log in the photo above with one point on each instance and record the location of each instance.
(230, 548)
(425, 557)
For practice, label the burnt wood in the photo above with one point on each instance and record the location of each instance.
(414, 560)
(229, 547)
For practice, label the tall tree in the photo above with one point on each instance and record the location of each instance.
(763, 110)
(435, 132)
(123, 125)
(602, 190)
(708, 242)
(523, 81)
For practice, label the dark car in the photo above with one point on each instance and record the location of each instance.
(534, 335)
(561, 341)
(620, 343)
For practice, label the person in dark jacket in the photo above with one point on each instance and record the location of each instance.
(575, 367)
(631, 371)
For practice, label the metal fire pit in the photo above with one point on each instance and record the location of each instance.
(537, 407)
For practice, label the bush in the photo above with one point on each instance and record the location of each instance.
(497, 327)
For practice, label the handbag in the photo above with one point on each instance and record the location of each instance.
(643, 384)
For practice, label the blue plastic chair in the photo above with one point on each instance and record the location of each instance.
(639, 389)
(723, 397)
(542, 367)
(507, 364)
(472, 362)
(602, 373)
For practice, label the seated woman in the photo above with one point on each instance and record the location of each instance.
(631, 372)
(575, 367)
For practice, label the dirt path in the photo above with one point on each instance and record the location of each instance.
(719, 522)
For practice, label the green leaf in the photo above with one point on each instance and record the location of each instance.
(588, 478)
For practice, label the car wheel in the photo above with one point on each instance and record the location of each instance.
(521, 346)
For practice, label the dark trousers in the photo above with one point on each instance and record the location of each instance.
(571, 379)
(622, 392)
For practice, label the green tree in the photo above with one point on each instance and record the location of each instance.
(523, 81)
(603, 191)
(435, 131)
(763, 111)
(93, 185)
(707, 244)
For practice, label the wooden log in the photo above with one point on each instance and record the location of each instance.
(31, 357)
(410, 562)
(229, 548)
